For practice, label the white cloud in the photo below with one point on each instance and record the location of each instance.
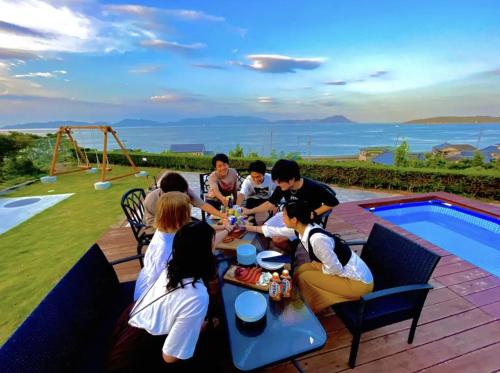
(274, 63)
(148, 12)
(148, 69)
(166, 97)
(29, 28)
(53, 74)
(172, 45)
(37, 26)
(264, 100)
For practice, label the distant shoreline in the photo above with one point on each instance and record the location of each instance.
(456, 120)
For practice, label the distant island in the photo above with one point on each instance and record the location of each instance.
(220, 119)
(455, 120)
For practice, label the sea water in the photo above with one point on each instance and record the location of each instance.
(315, 139)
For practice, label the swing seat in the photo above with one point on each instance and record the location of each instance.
(92, 170)
(102, 185)
(48, 179)
(141, 174)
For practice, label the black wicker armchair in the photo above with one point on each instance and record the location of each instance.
(132, 205)
(69, 330)
(401, 269)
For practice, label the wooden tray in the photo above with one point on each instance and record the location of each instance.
(229, 277)
(232, 245)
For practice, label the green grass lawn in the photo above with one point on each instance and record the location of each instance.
(38, 252)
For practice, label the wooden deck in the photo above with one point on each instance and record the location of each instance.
(459, 329)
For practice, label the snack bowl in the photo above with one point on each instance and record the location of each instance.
(250, 306)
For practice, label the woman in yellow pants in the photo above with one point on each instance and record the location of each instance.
(335, 273)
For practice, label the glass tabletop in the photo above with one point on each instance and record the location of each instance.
(289, 329)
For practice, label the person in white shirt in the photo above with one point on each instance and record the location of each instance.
(257, 187)
(172, 310)
(173, 210)
(334, 274)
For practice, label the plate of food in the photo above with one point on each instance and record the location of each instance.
(269, 265)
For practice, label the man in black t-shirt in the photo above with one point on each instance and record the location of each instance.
(291, 186)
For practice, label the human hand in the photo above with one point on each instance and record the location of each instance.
(245, 211)
(228, 226)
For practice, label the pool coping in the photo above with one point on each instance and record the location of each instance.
(353, 220)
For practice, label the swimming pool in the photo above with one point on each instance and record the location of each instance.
(467, 234)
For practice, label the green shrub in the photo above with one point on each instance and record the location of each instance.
(476, 183)
(19, 166)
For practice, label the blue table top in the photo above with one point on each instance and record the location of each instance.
(289, 329)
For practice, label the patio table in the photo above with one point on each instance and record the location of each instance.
(290, 329)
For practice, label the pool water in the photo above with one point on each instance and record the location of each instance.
(467, 234)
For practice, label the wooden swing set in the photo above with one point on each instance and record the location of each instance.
(83, 161)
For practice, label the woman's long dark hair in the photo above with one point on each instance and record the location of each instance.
(300, 210)
(192, 255)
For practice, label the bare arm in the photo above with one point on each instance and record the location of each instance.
(218, 194)
(240, 199)
(208, 208)
(266, 206)
(322, 209)
(253, 228)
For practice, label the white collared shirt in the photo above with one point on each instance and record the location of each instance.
(155, 260)
(178, 314)
(323, 248)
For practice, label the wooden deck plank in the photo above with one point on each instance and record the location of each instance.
(474, 286)
(457, 278)
(447, 269)
(485, 297)
(492, 309)
(484, 360)
(388, 345)
(454, 327)
(436, 352)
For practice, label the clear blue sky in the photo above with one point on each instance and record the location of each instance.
(164, 60)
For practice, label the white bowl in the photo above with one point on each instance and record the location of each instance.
(250, 306)
(269, 265)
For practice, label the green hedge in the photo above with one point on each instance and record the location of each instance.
(483, 184)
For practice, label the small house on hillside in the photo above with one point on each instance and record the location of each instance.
(372, 151)
(194, 149)
(387, 158)
(453, 151)
(491, 153)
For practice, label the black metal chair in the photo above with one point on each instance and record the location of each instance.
(132, 205)
(401, 269)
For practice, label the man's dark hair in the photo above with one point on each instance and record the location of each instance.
(192, 255)
(285, 170)
(219, 157)
(173, 182)
(300, 210)
(257, 166)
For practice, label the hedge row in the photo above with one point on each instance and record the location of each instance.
(483, 184)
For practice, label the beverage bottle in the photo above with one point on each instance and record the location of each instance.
(230, 201)
(275, 287)
(286, 284)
